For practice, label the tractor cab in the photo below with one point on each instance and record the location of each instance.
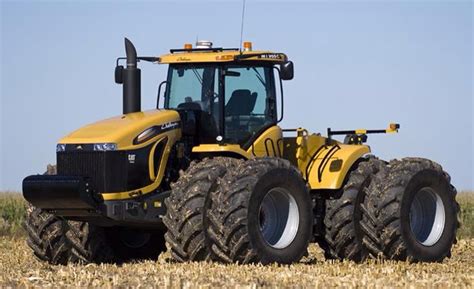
(225, 95)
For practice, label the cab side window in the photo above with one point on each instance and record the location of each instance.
(249, 102)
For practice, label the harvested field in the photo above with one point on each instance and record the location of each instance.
(20, 268)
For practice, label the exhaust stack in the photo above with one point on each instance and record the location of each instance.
(131, 81)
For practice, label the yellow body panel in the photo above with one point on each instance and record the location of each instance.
(123, 129)
(312, 155)
(315, 157)
(221, 56)
(328, 179)
(269, 143)
(272, 136)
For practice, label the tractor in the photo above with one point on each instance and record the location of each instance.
(209, 175)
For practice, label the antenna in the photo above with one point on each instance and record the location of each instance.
(242, 25)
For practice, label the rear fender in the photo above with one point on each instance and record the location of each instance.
(329, 167)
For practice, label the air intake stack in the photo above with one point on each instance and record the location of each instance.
(130, 78)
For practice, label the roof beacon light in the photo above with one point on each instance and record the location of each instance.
(203, 44)
(247, 46)
(188, 46)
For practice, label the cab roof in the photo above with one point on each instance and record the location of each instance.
(220, 55)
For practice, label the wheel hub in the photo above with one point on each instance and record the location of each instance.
(427, 216)
(279, 218)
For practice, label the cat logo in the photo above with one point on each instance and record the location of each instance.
(79, 147)
(131, 159)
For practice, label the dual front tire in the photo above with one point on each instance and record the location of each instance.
(187, 205)
(227, 210)
(260, 213)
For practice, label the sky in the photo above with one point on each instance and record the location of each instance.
(358, 64)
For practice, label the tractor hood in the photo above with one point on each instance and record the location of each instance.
(123, 129)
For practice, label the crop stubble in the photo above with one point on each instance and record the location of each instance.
(18, 267)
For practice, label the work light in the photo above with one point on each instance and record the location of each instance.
(105, 147)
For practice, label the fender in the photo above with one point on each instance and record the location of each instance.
(325, 163)
(329, 167)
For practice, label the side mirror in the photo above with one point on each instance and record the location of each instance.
(286, 70)
(119, 74)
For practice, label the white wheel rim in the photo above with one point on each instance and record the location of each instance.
(427, 216)
(279, 218)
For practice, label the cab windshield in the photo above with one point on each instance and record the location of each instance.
(236, 101)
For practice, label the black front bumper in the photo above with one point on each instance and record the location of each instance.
(72, 198)
(52, 192)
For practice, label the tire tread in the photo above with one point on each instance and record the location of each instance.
(382, 207)
(187, 205)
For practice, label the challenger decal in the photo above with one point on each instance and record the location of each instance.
(153, 131)
(169, 126)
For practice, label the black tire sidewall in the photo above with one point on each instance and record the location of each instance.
(436, 181)
(294, 184)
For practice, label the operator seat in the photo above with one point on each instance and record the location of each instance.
(238, 111)
(242, 102)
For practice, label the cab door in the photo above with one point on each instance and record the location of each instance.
(250, 118)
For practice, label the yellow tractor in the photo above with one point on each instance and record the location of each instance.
(211, 175)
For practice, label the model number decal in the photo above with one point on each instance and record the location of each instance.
(270, 56)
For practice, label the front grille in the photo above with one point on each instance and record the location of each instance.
(105, 171)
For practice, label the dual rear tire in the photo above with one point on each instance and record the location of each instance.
(95, 244)
(60, 242)
(343, 234)
(46, 233)
(46, 236)
(410, 212)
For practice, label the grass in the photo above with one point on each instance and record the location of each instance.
(12, 213)
(466, 201)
